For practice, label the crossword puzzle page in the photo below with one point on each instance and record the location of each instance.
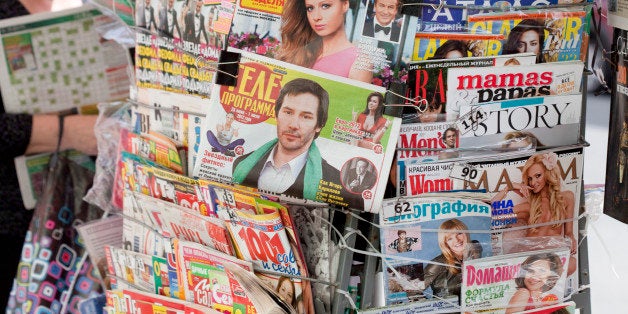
(56, 61)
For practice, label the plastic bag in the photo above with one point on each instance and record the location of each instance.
(54, 273)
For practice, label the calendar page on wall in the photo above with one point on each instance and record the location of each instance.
(56, 61)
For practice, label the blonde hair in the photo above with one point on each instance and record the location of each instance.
(450, 258)
(552, 180)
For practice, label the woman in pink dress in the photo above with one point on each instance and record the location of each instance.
(313, 35)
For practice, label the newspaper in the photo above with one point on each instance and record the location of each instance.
(515, 282)
(204, 280)
(56, 61)
(312, 146)
(470, 86)
(428, 238)
(98, 233)
(180, 44)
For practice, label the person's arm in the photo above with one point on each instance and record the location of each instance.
(36, 6)
(377, 137)
(569, 204)
(78, 133)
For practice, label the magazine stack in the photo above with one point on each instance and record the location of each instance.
(339, 156)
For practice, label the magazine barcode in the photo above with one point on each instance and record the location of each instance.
(465, 172)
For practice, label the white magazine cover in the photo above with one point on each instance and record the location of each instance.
(471, 86)
(513, 283)
(548, 121)
(328, 134)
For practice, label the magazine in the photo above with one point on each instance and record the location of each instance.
(444, 18)
(437, 45)
(549, 121)
(560, 34)
(180, 44)
(427, 239)
(342, 122)
(371, 47)
(31, 173)
(262, 239)
(516, 210)
(470, 86)
(424, 141)
(427, 80)
(515, 282)
(204, 280)
(152, 146)
(56, 61)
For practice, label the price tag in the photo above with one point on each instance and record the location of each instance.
(465, 172)
(470, 120)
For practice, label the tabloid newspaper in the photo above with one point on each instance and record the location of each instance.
(180, 222)
(548, 121)
(428, 79)
(129, 300)
(515, 282)
(427, 240)
(98, 233)
(140, 270)
(275, 29)
(441, 18)
(304, 136)
(175, 115)
(516, 207)
(262, 238)
(204, 280)
(564, 37)
(55, 61)
(179, 44)
(470, 86)
(152, 146)
(426, 45)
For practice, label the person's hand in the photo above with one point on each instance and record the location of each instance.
(524, 190)
(78, 133)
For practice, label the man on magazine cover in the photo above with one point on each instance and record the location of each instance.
(362, 178)
(168, 22)
(383, 25)
(146, 18)
(195, 24)
(291, 164)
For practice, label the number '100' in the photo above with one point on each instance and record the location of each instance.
(262, 247)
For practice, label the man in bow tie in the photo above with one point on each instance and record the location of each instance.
(383, 25)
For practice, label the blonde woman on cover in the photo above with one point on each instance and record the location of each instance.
(453, 240)
(544, 201)
(313, 35)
